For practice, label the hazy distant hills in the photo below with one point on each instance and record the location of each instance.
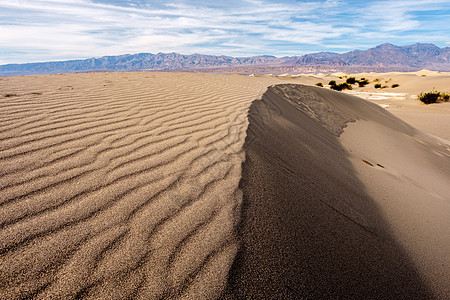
(385, 57)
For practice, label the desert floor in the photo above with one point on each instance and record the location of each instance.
(155, 185)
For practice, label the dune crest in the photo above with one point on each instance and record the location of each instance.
(312, 225)
(130, 185)
(117, 185)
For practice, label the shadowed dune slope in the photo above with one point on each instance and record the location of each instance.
(126, 186)
(309, 226)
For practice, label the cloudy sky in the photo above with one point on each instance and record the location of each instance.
(44, 30)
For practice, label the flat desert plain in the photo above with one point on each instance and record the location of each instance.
(153, 185)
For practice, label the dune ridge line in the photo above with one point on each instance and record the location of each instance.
(320, 223)
(117, 185)
(131, 185)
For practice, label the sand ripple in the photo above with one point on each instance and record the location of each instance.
(120, 185)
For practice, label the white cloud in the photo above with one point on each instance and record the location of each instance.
(36, 30)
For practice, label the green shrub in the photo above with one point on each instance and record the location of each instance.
(336, 87)
(430, 97)
(319, 84)
(351, 80)
(342, 86)
(332, 82)
(434, 97)
(395, 85)
(363, 82)
(377, 85)
(346, 86)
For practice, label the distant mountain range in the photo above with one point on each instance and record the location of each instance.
(382, 58)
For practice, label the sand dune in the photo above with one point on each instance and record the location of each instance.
(402, 100)
(126, 185)
(120, 184)
(361, 212)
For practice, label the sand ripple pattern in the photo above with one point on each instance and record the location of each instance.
(120, 185)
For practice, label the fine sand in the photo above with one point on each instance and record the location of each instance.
(331, 213)
(198, 186)
(402, 100)
(116, 185)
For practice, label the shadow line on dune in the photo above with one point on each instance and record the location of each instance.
(309, 229)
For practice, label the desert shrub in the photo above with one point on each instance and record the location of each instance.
(377, 85)
(363, 82)
(336, 87)
(384, 87)
(346, 86)
(339, 87)
(319, 84)
(430, 97)
(342, 86)
(351, 80)
(395, 85)
(377, 80)
(433, 97)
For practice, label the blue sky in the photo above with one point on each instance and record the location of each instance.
(44, 30)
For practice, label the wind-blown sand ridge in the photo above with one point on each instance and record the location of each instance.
(117, 185)
(360, 212)
(129, 185)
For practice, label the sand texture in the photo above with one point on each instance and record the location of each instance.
(340, 213)
(120, 185)
(197, 186)
(402, 100)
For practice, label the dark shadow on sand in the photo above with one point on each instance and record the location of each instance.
(309, 230)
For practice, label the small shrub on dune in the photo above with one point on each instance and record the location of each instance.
(342, 86)
(433, 97)
(377, 85)
(351, 80)
(319, 84)
(346, 86)
(430, 97)
(363, 82)
(336, 87)
(395, 85)
(339, 87)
